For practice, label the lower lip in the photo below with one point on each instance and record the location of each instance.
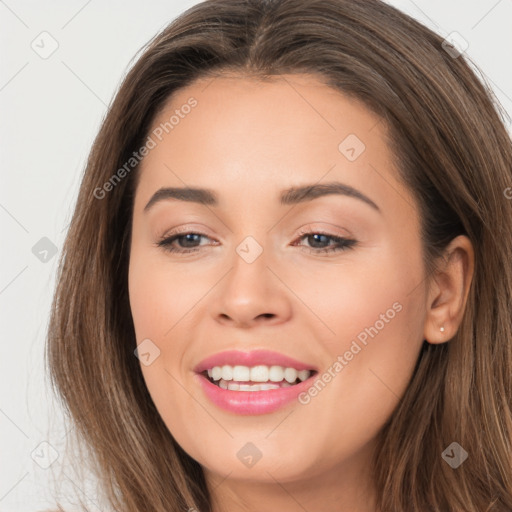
(252, 402)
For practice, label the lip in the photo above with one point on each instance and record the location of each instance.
(252, 402)
(252, 358)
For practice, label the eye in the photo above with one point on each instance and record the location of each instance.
(188, 238)
(320, 238)
(316, 238)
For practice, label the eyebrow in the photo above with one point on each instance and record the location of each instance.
(293, 195)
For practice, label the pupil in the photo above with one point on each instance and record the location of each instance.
(315, 237)
(187, 239)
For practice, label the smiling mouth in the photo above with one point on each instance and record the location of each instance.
(261, 379)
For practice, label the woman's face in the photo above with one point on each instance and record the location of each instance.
(258, 277)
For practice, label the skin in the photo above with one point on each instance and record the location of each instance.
(247, 141)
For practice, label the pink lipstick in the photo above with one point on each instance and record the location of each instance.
(255, 382)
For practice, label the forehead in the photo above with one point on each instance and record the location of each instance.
(247, 136)
(255, 112)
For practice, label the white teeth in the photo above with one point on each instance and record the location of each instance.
(232, 386)
(276, 373)
(259, 373)
(216, 373)
(303, 374)
(245, 376)
(266, 386)
(241, 373)
(290, 374)
(227, 372)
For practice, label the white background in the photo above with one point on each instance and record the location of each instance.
(50, 111)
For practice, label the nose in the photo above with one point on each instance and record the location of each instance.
(252, 293)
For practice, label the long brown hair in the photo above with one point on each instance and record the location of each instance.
(451, 149)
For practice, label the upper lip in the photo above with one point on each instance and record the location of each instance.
(251, 358)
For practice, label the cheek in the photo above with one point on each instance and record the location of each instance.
(341, 300)
(159, 300)
(160, 294)
(375, 317)
(370, 366)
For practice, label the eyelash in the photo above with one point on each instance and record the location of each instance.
(342, 243)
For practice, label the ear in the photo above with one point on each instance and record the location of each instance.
(449, 289)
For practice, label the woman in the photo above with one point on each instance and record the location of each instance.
(287, 282)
